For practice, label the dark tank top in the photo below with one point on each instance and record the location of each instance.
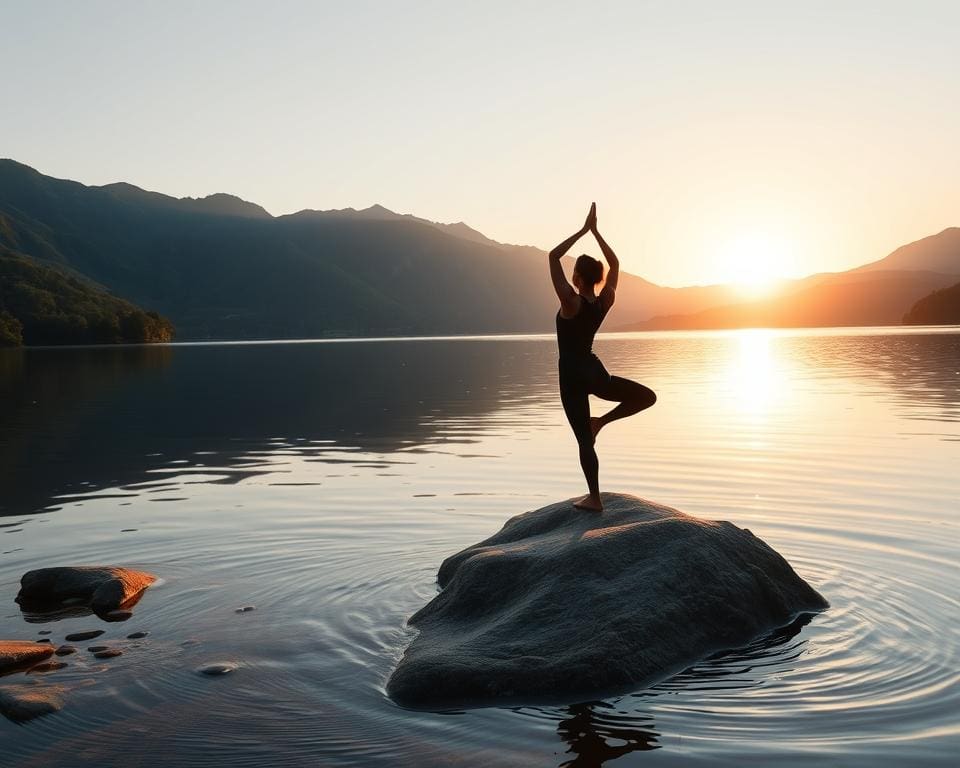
(575, 334)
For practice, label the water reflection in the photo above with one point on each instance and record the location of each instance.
(755, 375)
(596, 735)
(79, 420)
(83, 419)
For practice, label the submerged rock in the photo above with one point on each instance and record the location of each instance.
(46, 666)
(15, 653)
(564, 604)
(79, 637)
(21, 703)
(105, 588)
(216, 670)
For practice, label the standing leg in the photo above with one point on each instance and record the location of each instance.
(576, 405)
(633, 397)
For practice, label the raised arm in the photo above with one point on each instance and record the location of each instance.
(565, 292)
(609, 293)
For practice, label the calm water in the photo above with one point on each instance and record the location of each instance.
(324, 483)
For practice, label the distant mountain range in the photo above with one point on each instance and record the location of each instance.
(224, 268)
(878, 293)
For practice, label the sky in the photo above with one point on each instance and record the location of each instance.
(733, 140)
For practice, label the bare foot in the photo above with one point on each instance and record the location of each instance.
(590, 502)
(596, 424)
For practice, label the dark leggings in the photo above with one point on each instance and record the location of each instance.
(575, 388)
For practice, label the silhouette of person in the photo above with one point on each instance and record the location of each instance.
(582, 374)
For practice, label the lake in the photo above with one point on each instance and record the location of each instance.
(324, 482)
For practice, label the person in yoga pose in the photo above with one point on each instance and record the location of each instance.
(581, 373)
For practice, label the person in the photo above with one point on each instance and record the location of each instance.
(582, 374)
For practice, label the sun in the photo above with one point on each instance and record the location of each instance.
(755, 262)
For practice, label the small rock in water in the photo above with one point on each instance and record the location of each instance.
(44, 632)
(44, 640)
(79, 637)
(118, 615)
(46, 666)
(137, 635)
(246, 609)
(15, 653)
(215, 670)
(22, 703)
(109, 653)
(65, 650)
(105, 587)
(98, 648)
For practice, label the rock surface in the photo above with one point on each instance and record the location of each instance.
(105, 587)
(563, 605)
(15, 653)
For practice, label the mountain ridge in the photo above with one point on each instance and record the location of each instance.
(223, 267)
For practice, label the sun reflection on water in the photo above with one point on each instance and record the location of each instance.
(756, 377)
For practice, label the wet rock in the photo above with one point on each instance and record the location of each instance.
(108, 653)
(565, 605)
(43, 640)
(44, 632)
(98, 648)
(118, 615)
(79, 637)
(46, 666)
(137, 635)
(215, 670)
(246, 609)
(65, 650)
(21, 703)
(16, 653)
(105, 588)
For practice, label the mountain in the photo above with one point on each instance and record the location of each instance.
(878, 293)
(939, 308)
(844, 299)
(44, 305)
(937, 253)
(221, 267)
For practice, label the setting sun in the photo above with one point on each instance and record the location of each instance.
(755, 261)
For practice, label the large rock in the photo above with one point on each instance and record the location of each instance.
(16, 653)
(564, 605)
(103, 587)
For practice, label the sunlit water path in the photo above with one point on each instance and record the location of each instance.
(323, 483)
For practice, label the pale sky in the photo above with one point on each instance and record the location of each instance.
(812, 136)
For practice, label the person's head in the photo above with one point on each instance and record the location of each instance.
(587, 273)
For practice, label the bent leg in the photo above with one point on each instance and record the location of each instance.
(576, 405)
(633, 396)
